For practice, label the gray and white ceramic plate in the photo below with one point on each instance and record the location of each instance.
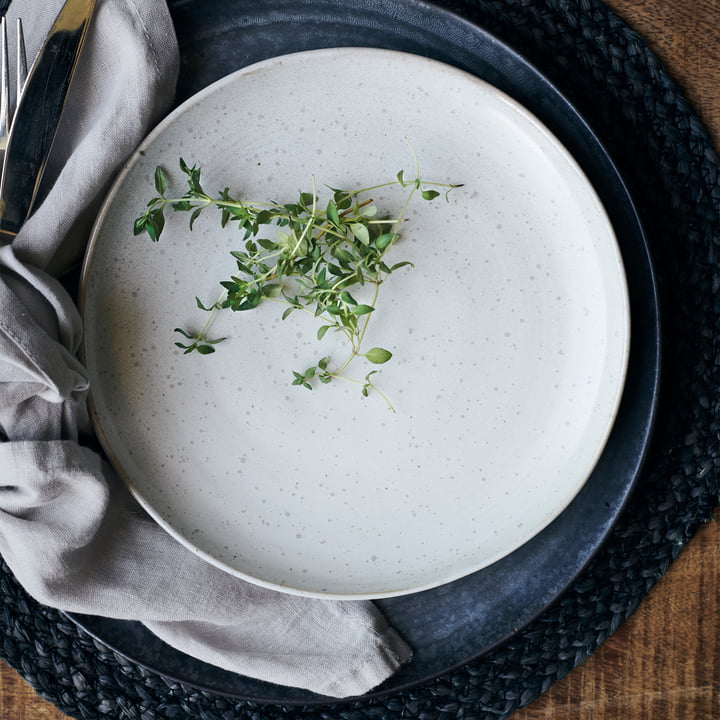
(510, 334)
(456, 622)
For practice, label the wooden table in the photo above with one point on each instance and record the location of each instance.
(664, 662)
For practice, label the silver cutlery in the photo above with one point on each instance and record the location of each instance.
(38, 114)
(6, 109)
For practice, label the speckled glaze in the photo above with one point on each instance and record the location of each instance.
(510, 335)
(453, 623)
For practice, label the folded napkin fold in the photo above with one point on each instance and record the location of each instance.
(69, 530)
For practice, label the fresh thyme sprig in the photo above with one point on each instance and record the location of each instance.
(318, 258)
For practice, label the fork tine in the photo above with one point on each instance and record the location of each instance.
(21, 62)
(4, 85)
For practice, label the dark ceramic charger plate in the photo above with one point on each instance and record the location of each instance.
(450, 625)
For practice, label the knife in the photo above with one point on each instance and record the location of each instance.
(38, 114)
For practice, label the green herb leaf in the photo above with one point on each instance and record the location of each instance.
(384, 240)
(272, 290)
(161, 184)
(155, 224)
(361, 232)
(332, 213)
(342, 199)
(200, 304)
(361, 309)
(140, 225)
(397, 266)
(194, 216)
(378, 355)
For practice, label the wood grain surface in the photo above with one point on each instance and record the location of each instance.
(664, 662)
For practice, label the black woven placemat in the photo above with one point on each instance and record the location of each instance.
(673, 174)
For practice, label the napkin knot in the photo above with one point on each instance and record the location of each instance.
(43, 383)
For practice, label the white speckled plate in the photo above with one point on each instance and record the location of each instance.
(510, 336)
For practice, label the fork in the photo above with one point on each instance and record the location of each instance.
(20, 77)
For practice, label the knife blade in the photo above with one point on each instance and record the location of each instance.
(38, 114)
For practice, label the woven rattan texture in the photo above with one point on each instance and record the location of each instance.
(673, 172)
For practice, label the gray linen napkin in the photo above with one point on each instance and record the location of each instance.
(69, 530)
